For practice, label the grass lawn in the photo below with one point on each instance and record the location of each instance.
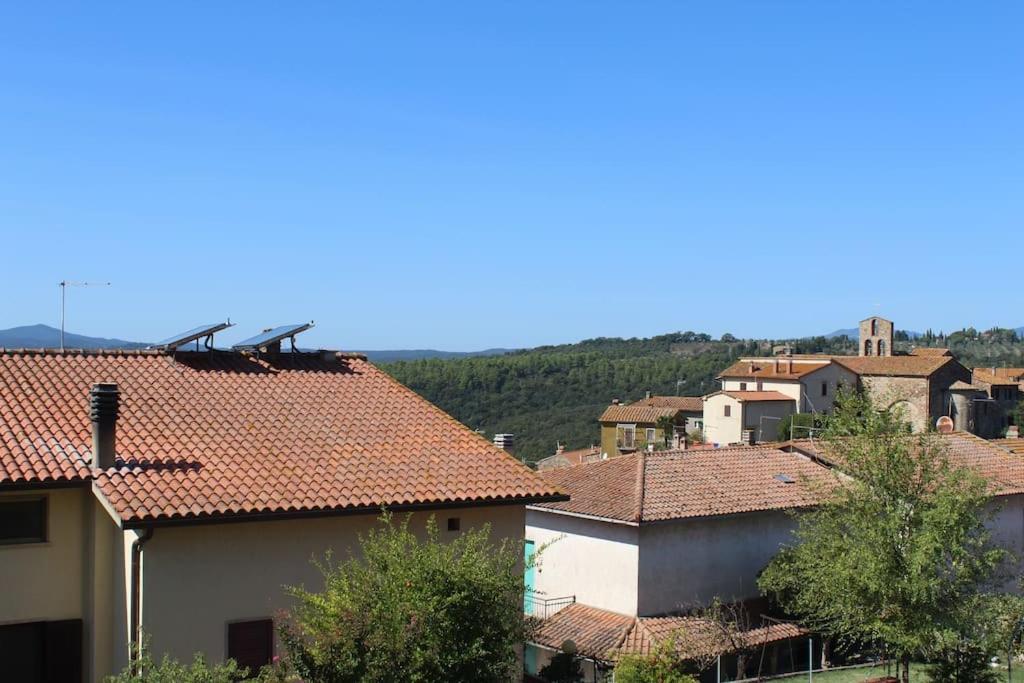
(918, 674)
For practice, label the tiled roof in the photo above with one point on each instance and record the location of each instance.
(902, 366)
(647, 487)
(1003, 470)
(1012, 445)
(998, 376)
(603, 635)
(758, 395)
(206, 434)
(961, 385)
(929, 351)
(689, 404)
(773, 368)
(567, 458)
(636, 413)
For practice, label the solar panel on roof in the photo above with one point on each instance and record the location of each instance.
(270, 336)
(194, 334)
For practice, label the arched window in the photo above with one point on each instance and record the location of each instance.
(867, 347)
(881, 347)
(874, 328)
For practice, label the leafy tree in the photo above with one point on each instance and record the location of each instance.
(728, 338)
(169, 670)
(411, 610)
(564, 667)
(667, 427)
(897, 553)
(663, 665)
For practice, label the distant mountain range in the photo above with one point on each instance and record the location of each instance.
(46, 337)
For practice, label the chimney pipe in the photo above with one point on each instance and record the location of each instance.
(103, 405)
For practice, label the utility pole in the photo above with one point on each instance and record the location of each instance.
(64, 284)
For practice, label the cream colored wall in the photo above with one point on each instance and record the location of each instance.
(47, 581)
(789, 388)
(198, 578)
(106, 648)
(834, 375)
(594, 560)
(718, 428)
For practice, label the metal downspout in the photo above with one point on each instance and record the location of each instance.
(136, 602)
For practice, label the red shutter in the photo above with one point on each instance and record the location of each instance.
(251, 643)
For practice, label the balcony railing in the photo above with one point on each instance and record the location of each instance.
(536, 606)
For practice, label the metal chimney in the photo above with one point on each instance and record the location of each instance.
(103, 405)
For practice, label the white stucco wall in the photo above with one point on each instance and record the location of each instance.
(196, 579)
(764, 417)
(790, 388)
(689, 562)
(594, 560)
(47, 581)
(717, 427)
(834, 375)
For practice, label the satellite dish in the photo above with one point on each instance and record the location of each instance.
(568, 647)
(945, 425)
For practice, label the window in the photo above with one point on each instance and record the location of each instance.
(868, 349)
(454, 524)
(881, 347)
(760, 385)
(874, 327)
(22, 520)
(251, 643)
(743, 386)
(727, 412)
(824, 388)
(650, 435)
(627, 436)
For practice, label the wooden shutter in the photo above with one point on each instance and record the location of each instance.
(251, 643)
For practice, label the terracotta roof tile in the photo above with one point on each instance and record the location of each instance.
(1012, 445)
(646, 487)
(689, 404)
(636, 413)
(998, 376)
(930, 351)
(1001, 467)
(603, 635)
(224, 433)
(901, 366)
(773, 368)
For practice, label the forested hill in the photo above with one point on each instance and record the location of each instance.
(556, 393)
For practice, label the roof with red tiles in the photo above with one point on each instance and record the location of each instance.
(899, 366)
(689, 404)
(662, 485)
(774, 368)
(604, 635)
(930, 351)
(209, 434)
(639, 414)
(1012, 445)
(998, 376)
(568, 458)
(1003, 469)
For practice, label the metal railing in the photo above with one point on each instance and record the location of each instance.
(536, 606)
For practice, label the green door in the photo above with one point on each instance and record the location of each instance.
(528, 577)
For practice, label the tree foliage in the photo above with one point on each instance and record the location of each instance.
(663, 665)
(411, 610)
(169, 670)
(564, 667)
(898, 554)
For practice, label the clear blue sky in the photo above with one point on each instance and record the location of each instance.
(468, 175)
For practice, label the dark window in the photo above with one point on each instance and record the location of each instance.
(23, 521)
(868, 349)
(42, 651)
(454, 524)
(824, 388)
(251, 643)
(743, 386)
(760, 386)
(881, 347)
(728, 411)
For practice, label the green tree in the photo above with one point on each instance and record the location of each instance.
(663, 665)
(667, 427)
(897, 553)
(411, 610)
(169, 670)
(564, 667)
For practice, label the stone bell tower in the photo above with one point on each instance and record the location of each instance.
(876, 336)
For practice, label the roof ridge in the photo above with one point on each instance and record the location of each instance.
(641, 483)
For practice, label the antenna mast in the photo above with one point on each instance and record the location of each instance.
(64, 284)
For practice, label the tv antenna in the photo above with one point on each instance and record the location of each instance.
(64, 284)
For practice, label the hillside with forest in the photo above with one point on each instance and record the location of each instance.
(554, 394)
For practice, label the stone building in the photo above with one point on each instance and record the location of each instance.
(876, 337)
